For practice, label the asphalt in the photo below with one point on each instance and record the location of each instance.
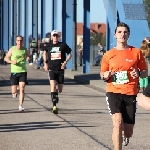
(92, 78)
(83, 122)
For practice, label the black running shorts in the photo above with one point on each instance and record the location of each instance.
(146, 91)
(57, 75)
(15, 78)
(121, 103)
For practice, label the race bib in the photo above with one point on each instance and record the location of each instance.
(55, 56)
(120, 78)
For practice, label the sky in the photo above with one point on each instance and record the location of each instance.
(97, 12)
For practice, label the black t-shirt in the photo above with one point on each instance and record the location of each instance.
(57, 54)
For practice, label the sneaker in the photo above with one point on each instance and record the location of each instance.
(14, 95)
(55, 110)
(125, 141)
(30, 63)
(21, 108)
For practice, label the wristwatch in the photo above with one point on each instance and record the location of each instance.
(139, 72)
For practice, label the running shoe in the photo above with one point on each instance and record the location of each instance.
(14, 95)
(21, 108)
(125, 141)
(55, 110)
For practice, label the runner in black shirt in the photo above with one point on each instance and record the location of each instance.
(55, 61)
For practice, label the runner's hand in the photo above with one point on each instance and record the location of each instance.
(107, 75)
(14, 62)
(63, 65)
(28, 58)
(45, 67)
(134, 73)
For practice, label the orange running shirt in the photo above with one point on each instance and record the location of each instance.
(121, 61)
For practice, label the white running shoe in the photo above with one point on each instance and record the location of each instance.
(14, 95)
(125, 141)
(30, 63)
(21, 108)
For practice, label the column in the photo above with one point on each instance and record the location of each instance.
(86, 37)
(67, 24)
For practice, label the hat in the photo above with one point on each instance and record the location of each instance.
(54, 32)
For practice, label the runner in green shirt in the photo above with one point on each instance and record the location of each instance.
(16, 56)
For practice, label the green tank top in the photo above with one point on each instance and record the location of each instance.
(20, 56)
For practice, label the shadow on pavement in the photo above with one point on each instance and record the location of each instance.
(35, 126)
(40, 82)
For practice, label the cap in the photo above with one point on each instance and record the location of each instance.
(54, 32)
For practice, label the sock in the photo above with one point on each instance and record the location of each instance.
(53, 97)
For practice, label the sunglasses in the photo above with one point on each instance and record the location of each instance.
(55, 35)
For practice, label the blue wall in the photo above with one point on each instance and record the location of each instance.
(20, 18)
(134, 17)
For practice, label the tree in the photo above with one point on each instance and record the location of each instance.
(147, 8)
(97, 38)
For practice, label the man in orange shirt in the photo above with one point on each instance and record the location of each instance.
(121, 68)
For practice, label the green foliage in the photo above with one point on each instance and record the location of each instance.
(96, 38)
(147, 8)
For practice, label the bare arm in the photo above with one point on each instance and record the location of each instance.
(144, 102)
(68, 57)
(45, 63)
(28, 55)
(63, 66)
(44, 56)
(7, 57)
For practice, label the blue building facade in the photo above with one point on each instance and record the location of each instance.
(132, 12)
(37, 18)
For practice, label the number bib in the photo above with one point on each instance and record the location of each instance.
(55, 56)
(120, 78)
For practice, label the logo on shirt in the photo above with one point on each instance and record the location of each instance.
(128, 60)
(55, 53)
(55, 49)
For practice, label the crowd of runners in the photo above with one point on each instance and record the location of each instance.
(121, 67)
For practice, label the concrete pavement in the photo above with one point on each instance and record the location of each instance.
(92, 78)
(83, 122)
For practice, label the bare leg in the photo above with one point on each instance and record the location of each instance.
(144, 102)
(53, 85)
(117, 131)
(60, 88)
(14, 89)
(128, 130)
(22, 90)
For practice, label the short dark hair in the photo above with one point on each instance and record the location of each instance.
(122, 24)
(19, 36)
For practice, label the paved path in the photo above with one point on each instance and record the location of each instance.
(83, 122)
